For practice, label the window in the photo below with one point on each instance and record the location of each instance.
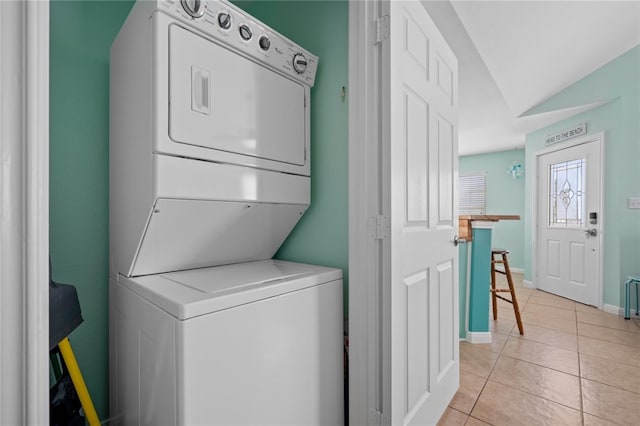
(472, 190)
(566, 193)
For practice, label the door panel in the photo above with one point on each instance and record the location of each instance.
(445, 79)
(444, 172)
(553, 258)
(424, 264)
(417, 303)
(417, 112)
(445, 310)
(577, 262)
(569, 189)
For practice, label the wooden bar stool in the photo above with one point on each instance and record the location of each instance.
(502, 259)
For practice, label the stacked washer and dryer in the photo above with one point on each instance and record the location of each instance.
(209, 173)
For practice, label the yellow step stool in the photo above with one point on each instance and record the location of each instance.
(64, 317)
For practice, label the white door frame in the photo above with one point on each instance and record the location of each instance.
(24, 212)
(598, 138)
(369, 321)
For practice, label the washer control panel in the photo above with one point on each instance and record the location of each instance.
(231, 26)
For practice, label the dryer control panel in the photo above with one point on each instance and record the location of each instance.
(232, 27)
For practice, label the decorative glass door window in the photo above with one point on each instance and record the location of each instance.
(566, 194)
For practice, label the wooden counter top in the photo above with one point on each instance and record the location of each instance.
(489, 217)
(464, 222)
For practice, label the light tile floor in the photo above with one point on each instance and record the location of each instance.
(575, 365)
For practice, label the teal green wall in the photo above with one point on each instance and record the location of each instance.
(505, 195)
(462, 293)
(321, 27)
(81, 35)
(618, 81)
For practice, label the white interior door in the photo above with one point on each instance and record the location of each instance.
(424, 262)
(569, 222)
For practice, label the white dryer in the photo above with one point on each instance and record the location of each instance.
(209, 172)
(208, 120)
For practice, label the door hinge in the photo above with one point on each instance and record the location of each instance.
(379, 227)
(382, 29)
(375, 418)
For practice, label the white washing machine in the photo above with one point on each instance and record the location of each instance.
(209, 173)
(255, 343)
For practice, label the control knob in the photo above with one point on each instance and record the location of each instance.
(224, 20)
(264, 43)
(245, 32)
(195, 8)
(299, 63)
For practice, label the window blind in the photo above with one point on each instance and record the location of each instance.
(472, 194)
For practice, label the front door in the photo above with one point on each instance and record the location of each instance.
(569, 222)
(424, 261)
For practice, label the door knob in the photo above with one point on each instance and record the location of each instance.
(591, 232)
(457, 240)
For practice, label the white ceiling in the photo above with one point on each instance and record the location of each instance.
(514, 55)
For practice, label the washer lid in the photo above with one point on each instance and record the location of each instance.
(237, 277)
(191, 293)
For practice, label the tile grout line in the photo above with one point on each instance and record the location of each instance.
(581, 378)
(552, 329)
(525, 301)
(527, 392)
(581, 410)
(538, 396)
(543, 366)
(553, 345)
(579, 370)
(484, 385)
(533, 394)
(609, 384)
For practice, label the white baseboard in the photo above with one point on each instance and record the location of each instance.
(478, 336)
(527, 284)
(615, 310)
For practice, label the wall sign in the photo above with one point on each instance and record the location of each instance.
(579, 130)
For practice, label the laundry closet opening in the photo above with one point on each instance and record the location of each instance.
(81, 35)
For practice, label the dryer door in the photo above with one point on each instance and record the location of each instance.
(221, 101)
